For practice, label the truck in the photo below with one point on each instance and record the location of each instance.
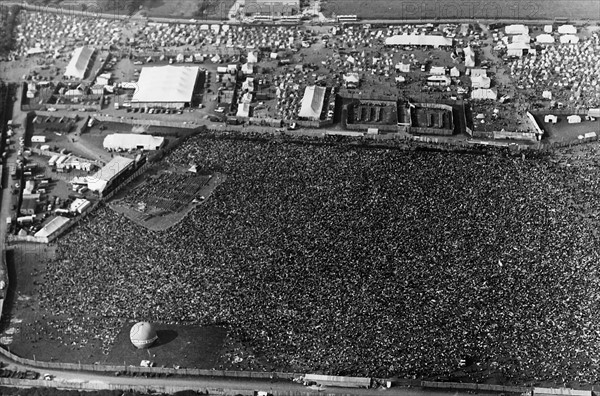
(38, 139)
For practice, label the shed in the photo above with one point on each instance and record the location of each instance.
(574, 119)
(550, 118)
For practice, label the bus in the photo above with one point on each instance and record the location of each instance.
(347, 18)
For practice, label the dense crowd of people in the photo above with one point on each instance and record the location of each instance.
(346, 260)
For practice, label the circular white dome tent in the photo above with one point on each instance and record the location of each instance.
(142, 335)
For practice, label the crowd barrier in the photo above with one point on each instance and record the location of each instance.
(459, 386)
(561, 392)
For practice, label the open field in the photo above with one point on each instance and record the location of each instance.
(431, 9)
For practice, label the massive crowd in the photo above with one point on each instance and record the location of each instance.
(355, 261)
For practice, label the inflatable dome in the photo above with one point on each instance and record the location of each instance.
(142, 335)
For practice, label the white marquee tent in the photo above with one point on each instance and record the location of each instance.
(312, 102)
(79, 62)
(132, 141)
(414, 39)
(567, 29)
(516, 29)
(165, 86)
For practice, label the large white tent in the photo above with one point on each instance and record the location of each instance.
(567, 29)
(516, 29)
(419, 39)
(482, 94)
(312, 102)
(545, 39)
(165, 86)
(132, 141)
(469, 57)
(569, 39)
(79, 63)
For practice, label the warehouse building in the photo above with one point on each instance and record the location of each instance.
(132, 141)
(166, 86)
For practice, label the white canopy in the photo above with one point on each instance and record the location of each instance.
(243, 110)
(567, 29)
(482, 93)
(414, 39)
(545, 39)
(516, 29)
(569, 39)
(173, 84)
(312, 102)
(79, 62)
(469, 57)
(132, 141)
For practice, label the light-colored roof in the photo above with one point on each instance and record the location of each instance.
(312, 102)
(99, 180)
(567, 29)
(243, 110)
(469, 57)
(480, 82)
(128, 141)
(54, 225)
(516, 29)
(545, 38)
(438, 70)
(421, 39)
(569, 39)
(79, 62)
(174, 84)
(484, 94)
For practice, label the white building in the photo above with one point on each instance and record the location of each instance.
(574, 119)
(550, 118)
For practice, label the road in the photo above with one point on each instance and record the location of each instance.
(216, 385)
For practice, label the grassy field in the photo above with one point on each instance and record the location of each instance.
(211, 9)
(429, 9)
